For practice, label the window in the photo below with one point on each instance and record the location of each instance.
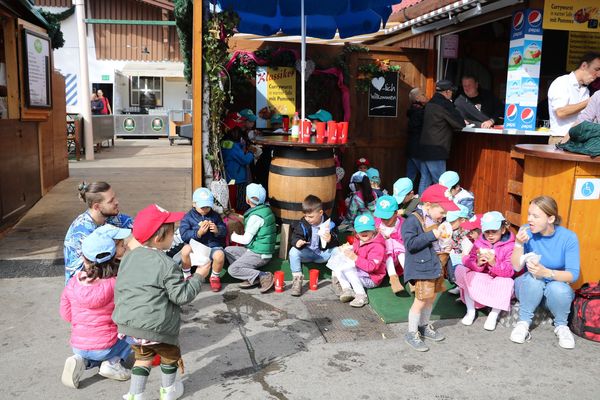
(145, 91)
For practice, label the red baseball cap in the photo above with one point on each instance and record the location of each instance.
(151, 218)
(473, 223)
(437, 194)
(363, 161)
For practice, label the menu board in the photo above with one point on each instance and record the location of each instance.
(579, 44)
(37, 69)
(383, 95)
(572, 15)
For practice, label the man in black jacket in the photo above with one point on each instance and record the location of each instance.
(415, 116)
(440, 121)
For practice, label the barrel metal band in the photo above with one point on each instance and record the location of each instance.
(294, 206)
(302, 172)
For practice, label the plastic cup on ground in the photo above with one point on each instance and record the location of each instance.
(279, 281)
(313, 283)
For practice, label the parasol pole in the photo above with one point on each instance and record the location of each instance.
(302, 58)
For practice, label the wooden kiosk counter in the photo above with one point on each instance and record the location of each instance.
(573, 180)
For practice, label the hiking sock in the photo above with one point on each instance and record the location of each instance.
(168, 373)
(470, 315)
(413, 321)
(425, 316)
(213, 273)
(139, 377)
(390, 267)
(297, 274)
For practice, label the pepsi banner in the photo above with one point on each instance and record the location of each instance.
(524, 62)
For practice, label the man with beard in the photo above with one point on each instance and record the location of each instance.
(103, 208)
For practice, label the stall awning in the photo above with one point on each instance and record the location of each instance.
(160, 69)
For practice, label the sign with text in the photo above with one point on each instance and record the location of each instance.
(383, 95)
(579, 44)
(450, 46)
(275, 93)
(572, 15)
(37, 69)
(524, 61)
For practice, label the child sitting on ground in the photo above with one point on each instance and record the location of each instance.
(405, 197)
(389, 226)
(259, 238)
(485, 279)
(87, 303)
(310, 240)
(422, 267)
(368, 253)
(362, 197)
(459, 240)
(149, 293)
(375, 181)
(204, 225)
(459, 195)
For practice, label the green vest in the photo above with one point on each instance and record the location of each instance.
(264, 240)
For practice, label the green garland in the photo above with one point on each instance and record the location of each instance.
(184, 20)
(366, 72)
(56, 35)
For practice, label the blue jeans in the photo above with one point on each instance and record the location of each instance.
(556, 296)
(413, 167)
(94, 358)
(307, 255)
(430, 173)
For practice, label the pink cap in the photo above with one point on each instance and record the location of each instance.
(151, 218)
(437, 194)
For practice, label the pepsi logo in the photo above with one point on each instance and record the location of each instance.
(511, 112)
(527, 114)
(518, 20)
(534, 18)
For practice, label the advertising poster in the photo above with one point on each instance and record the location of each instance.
(579, 44)
(524, 61)
(572, 15)
(275, 93)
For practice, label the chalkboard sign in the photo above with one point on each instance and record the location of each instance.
(383, 95)
(37, 69)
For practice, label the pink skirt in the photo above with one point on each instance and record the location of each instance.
(484, 289)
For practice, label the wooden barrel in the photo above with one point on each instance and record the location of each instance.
(296, 173)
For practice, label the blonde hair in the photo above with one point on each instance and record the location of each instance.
(548, 206)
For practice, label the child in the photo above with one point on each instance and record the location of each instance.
(375, 181)
(459, 238)
(276, 123)
(362, 197)
(450, 180)
(309, 241)
(405, 197)
(368, 253)
(422, 267)
(389, 226)
(204, 225)
(473, 227)
(149, 293)
(485, 279)
(87, 303)
(236, 161)
(259, 238)
(362, 165)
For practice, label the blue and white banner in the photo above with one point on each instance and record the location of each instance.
(71, 89)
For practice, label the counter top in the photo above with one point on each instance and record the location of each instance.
(511, 132)
(286, 141)
(550, 151)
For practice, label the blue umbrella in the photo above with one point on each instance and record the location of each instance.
(315, 18)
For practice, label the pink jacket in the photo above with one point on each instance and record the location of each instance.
(88, 306)
(503, 252)
(371, 257)
(394, 245)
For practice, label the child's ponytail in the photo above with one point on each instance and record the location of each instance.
(105, 270)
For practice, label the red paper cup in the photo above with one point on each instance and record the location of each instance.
(331, 132)
(342, 130)
(286, 123)
(313, 283)
(305, 127)
(279, 281)
(350, 239)
(321, 132)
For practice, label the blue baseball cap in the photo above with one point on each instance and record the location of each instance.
(113, 232)
(203, 198)
(449, 179)
(321, 115)
(463, 212)
(491, 221)
(276, 119)
(96, 245)
(257, 191)
(357, 177)
(402, 187)
(364, 222)
(386, 207)
(373, 174)
(248, 114)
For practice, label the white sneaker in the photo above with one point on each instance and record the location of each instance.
(520, 333)
(114, 371)
(172, 392)
(468, 318)
(565, 337)
(74, 367)
(139, 396)
(490, 323)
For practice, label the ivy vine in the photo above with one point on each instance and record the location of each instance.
(366, 72)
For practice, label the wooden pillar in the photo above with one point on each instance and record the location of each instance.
(197, 156)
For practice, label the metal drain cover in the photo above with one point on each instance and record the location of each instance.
(338, 322)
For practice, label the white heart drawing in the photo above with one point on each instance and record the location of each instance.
(378, 82)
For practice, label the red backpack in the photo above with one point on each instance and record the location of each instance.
(585, 312)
